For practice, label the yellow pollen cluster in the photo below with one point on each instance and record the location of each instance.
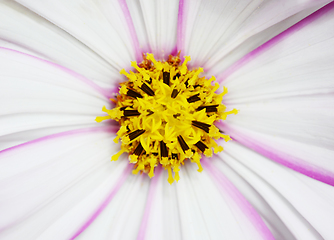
(166, 114)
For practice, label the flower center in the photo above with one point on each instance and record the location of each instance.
(166, 114)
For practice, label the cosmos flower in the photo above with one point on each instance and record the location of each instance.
(60, 64)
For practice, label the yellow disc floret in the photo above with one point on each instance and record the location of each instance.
(166, 114)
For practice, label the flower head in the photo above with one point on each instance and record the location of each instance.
(167, 114)
(61, 63)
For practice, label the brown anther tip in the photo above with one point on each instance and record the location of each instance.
(210, 108)
(205, 127)
(139, 149)
(135, 134)
(174, 93)
(163, 149)
(194, 98)
(201, 146)
(147, 89)
(182, 143)
(134, 94)
(166, 77)
(130, 113)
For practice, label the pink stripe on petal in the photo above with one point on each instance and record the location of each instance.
(180, 28)
(83, 79)
(296, 164)
(111, 129)
(114, 90)
(105, 203)
(131, 28)
(226, 186)
(174, 51)
(275, 40)
(149, 201)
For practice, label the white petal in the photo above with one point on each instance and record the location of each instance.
(307, 119)
(121, 219)
(13, 46)
(156, 25)
(153, 210)
(248, 219)
(192, 221)
(296, 62)
(199, 206)
(317, 209)
(161, 219)
(313, 161)
(284, 91)
(36, 94)
(211, 30)
(23, 30)
(100, 25)
(277, 227)
(46, 179)
(294, 224)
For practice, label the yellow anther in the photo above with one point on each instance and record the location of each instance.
(157, 65)
(102, 118)
(167, 121)
(194, 78)
(183, 68)
(164, 161)
(151, 173)
(133, 158)
(226, 137)
(196, 159)
(224, 115)
(208, 152)
(208, 83)
(177, 176)
(120, 133)
(152, 165)
(117, 155)
(142, 71)
(170, 175)
(129, 76)
(218, 149)
(224, 92)
(140, 167)
(176, 170)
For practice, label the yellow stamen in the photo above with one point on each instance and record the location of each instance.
(183, 68)
(194, 78)
(129, 76)
(117, 155)
(170, 175)
(167, 114)
(158, 65)
(100, 119)
(140, 70)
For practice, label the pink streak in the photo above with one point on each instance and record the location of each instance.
(112, 129)
(149, 201)
(114, 90)
(105, 203)
(83, 79)
(131, 28)
(180, 28)
(272, 42)
(174, 51)
(289, 161)
(226, 186)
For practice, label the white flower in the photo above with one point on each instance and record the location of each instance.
(59, 64)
